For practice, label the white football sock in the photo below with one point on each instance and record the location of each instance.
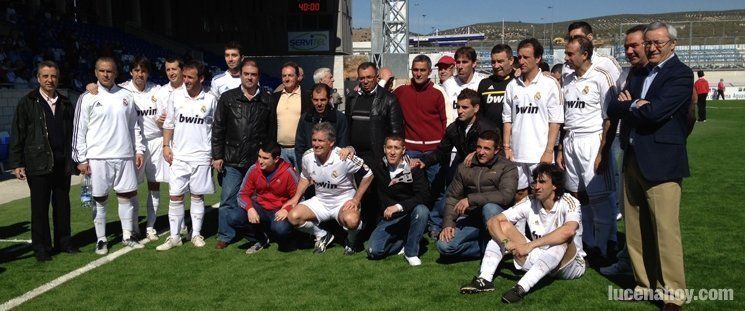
(197, 215)
(175, 218)
(492, 257)
(546, 261)
(153, 202)
(311, 228)
(125, 217)
(99, 220)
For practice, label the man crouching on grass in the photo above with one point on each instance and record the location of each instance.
(555, 243)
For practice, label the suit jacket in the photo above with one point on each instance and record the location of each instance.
(656, 132)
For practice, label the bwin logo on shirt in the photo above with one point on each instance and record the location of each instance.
(576, 104)
(147, 112)
(326, 185)
(194, 119)
(526, 109)
(495, 99)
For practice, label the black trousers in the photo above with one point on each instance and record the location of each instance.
(702, 106)
(54, 186)
(720, 93)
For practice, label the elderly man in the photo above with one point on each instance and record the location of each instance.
(654, 110)
(325, 76)
(290, 103)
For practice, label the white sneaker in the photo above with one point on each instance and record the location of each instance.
(198, 240)
(152, 235)
(101, 248)
(619, 216)
(414, 261)
(169, 244)
(132, 243)
(401, 252)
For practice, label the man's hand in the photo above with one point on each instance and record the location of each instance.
(92, 88)
(508, 153)
(414, 163)
(346, 153)
(84, 169)
(547, 157)
(168, 155)
(461, 206)
(290, 203)
(217, 164)
(253, 216)
(20, 173)
(447, 234)
(560, 160)
(351, 205)
(600, 163)
(280, 215)
(139, 160)
(390, 211)
(522, 250)
(468, 161)
(624, 96)
(641, 102)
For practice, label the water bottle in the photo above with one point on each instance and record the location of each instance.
(86, 198)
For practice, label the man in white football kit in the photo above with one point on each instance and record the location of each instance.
(187, 147)
(108, 145)
(607, 63)
(336, 196)
(588, 91)
(231, 78)
(533, 112)
(466, 78)
(554, 245)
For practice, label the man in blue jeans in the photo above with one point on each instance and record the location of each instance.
(476, 194)
(402, 192)
(268, 185)
(244, 120)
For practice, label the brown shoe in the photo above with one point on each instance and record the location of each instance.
(221, 245)
(671, 307)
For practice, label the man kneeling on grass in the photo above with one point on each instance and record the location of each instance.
(268, 185)
(555, 243)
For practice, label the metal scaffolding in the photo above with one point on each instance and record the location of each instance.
(390, 35)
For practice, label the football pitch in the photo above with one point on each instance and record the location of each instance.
(206, 278)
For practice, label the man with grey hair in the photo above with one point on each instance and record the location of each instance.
(654, 108)
(325, 76)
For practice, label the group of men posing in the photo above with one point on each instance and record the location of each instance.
(468, 160)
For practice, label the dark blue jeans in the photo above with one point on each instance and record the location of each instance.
(470, 234)
(439, 189)
(279, 231)
(431, 170)
(404, 230)
(230, 179)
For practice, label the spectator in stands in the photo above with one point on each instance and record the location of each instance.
(323, 112)
(40, 152)
(720, 89)
(290, 103)
(702, 91)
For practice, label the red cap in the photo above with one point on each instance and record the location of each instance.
(446, 60)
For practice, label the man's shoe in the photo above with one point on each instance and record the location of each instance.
(221, 245)
(477, 285)
(413, 261)
(132, 243)
(513, 295)
(257, 247)
(43, 256)
(102, 248)
(349, 251)
(323, 242)
(151, 234)
(198, 241)
(616, 269)
(169, 244)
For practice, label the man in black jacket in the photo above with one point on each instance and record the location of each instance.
(323, 112)
(403, 192)
(40, 152)
(245, 119)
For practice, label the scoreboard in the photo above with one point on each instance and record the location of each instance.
(311, 26)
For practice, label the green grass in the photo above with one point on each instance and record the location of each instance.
(190, 278)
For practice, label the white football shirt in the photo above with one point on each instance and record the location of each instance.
(541, 222)
(334, 179)
(607, 63)
(191, 122)
(530, 108)
(146, 103)
(106, 126)
(586, 100)
(454, 86)
(223, 82)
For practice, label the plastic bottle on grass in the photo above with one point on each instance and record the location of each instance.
(86, 197)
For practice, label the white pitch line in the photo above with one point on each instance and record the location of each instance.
(15, 302)
(14, 241)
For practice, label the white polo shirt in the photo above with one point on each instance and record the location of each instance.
(191, 122)
(586, 100)
(334, 179)
(530, 108)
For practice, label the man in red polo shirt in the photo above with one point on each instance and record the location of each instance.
(702, 90)
(424, 110)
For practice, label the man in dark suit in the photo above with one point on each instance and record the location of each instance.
(654, 112)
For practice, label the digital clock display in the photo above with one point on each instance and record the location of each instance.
(308, 6)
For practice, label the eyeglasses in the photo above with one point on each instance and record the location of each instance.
(656, 44)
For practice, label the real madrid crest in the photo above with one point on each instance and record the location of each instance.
(586, 90)
(124, 102)
(537, 95)
(334, 174)
(154, 99)
(203, 109)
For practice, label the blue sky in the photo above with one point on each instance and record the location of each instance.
(452, 13)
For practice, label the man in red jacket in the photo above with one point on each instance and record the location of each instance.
(702, 90)
(268, 185)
